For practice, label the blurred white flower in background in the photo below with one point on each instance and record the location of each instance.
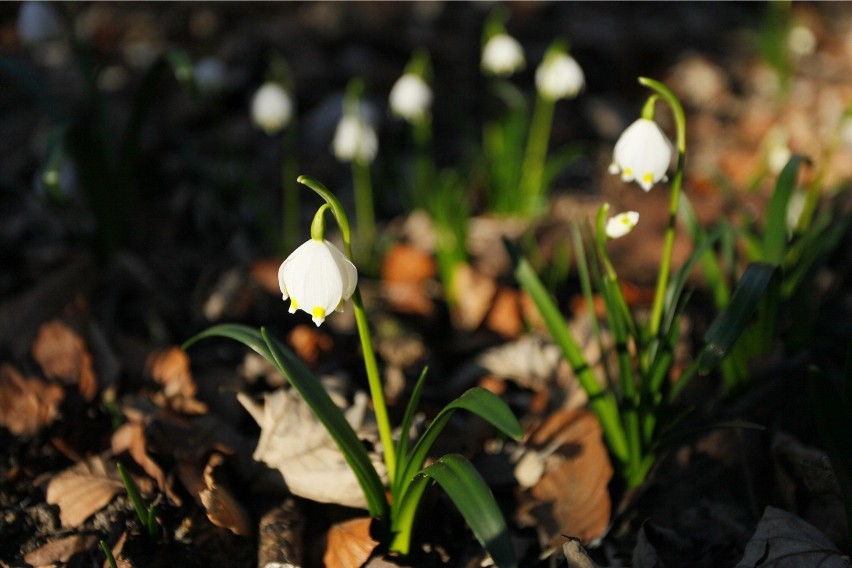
(38, 22)
(210, 75)
(355, 140)
(317, 278)
(502, 55)
(621, 224)
(410, 97)
(642, 154)
(271, 108)
(559, 76)
(801, 40)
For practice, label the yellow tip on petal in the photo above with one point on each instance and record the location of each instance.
(628, 172)
(319, 315)
(293, 306)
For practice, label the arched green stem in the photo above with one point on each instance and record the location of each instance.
(370, 363)
(672, 101)
(532, 172)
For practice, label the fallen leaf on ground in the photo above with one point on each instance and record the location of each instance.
(405, 270)
(308, 342)
(571, 497)
(294, 442)
(783, 539)
(130, 437)
(505, 314)
(26, 405)
(60, 550)
(223, 509)
(474, 293)
(265, 273)
(83, 490)
(62, 355)
(169, 367)
(349, 544)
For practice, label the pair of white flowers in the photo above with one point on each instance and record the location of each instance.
(559, 76)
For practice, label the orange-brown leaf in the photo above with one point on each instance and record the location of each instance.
(223, 509)
(62, 355)
(170, 368)
(60, 550)
(474, 293)
(308, 342)
(349, 544)
(83, 490)
(26, 405)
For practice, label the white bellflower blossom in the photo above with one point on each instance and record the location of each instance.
(410, 97)
(317, 278)
(642, 154)
(502, 55)
(559, 77)
(355, 140)
(271, 108)
(621, 224)
(38, 22)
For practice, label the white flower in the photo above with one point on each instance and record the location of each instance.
(355, 140)
(210, 75)
(410, 97)
(559, 77)
(38, 22)
(801, 40)
(502, 55)
(621, 224)
(271, 108)
(642, 153)
(317, 278)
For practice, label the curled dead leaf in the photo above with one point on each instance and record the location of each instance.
(349, 544)
(83, 490)
(62, 355)
(27, 405)
(223, 509)
(130, 437)
(60, 550)
(309, 342)
(405, 271)
(169, 367)
(474, 293)
(571, 496)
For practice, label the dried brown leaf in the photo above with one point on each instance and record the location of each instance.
(474, 293)
(26, 405)
(265, 273)
(405, 270)
(309, 342)
(62, 355)
(130, 437)
(170, 368)
(571, 498)
(83, 490)
(349, 544)
(223, 509)
(60, 550)
(505, 315)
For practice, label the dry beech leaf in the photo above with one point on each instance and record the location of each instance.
(169, 367)
(505, 315)
(349, 544)
(223, 509)
(309, 342)
(474, 293)
(783, 539)
(405, 270)
(571, 497)
(60, 550)
(26, 405)
(294, 442)
(130, 437)
(62, 355)
(83, 490)
(265, 273)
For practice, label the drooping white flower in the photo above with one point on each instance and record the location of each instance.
(38, 22)
(410, 97)
(642, 153)
(210, 75)
(317, 278)
(502, 55)
(355, 140)
(621, 224)
(801, 40)
(559, 77)
(271, 108)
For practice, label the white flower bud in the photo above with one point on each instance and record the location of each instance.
(271, 108)
(410, 97)
(317, 278)
(559, 77)
(355, 140)
(621, 224)
(502, 56)
(642, 153)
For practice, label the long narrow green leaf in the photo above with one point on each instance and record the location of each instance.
(470, 494)
(407, 419)
(477, 400)
(775, 232)
(320, 403)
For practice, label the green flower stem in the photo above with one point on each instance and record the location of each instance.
(532, 173)
(370, 364)
(423, 167)
(289, 194)
(677, 182)
(363, 204)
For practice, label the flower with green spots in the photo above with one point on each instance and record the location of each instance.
(642, 154)
(621, 224)
(317, 278)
